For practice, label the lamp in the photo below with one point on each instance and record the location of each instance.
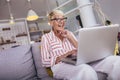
(11, 21)
(31, 13)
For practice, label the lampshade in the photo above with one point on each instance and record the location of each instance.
(32, 15)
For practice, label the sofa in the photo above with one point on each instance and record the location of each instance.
(24, 63)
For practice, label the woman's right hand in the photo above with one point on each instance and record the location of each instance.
(72, 52)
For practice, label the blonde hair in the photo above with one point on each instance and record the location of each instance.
(54, 12)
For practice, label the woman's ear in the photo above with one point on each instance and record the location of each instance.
(51, 23)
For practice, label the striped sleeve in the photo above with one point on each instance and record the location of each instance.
(47, 60)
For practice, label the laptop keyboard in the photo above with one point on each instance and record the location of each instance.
(73, 57)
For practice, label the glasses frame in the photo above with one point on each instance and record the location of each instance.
(58, 19)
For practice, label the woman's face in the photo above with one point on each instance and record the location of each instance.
(57, 22)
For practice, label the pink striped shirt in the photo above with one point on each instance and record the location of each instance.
(52, 47)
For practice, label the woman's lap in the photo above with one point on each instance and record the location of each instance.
(72, 72)
(68, 71)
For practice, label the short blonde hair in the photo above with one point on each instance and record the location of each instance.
(54, 12)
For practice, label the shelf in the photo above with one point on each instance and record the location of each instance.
(36, 31)
(6, 29)
(7, 42)
(46, 31)
(20, 35)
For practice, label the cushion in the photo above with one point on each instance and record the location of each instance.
(41, 71)
(17, 64)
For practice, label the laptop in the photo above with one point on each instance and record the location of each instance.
(94, 44)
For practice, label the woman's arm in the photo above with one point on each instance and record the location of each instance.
(71, 37)
(47, 60)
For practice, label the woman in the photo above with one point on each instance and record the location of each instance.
(59, 43)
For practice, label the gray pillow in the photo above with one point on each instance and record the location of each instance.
(41, 71)
(17, 64)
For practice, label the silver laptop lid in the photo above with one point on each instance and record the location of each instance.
(96, 43)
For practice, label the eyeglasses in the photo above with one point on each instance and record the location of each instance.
(59, 19)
